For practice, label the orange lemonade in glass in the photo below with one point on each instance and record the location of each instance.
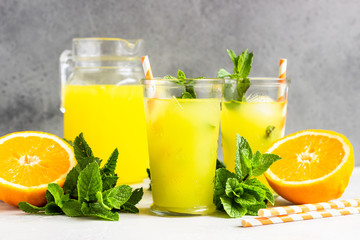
(259, 117)
(183, 142)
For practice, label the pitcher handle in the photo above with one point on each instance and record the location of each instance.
(66, 69)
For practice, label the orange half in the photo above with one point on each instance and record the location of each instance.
(29, 161)
(316, 166)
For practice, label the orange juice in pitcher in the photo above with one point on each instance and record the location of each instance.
(103, 98)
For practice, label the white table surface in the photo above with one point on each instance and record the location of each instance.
(15, 224)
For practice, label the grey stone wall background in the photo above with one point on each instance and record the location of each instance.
(320, 39)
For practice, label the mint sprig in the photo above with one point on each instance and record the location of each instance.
(241, 193)
(269, 130)
(242, 68)
(188, 91)
(89, 190)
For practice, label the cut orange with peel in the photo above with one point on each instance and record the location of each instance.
(28, 162)
(316, 166)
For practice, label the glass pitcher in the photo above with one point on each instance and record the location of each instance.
(102, 97)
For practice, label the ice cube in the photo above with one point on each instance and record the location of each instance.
(256, 97)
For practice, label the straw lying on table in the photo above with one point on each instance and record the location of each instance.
(304, 212)
(300, 216)
(268, 212)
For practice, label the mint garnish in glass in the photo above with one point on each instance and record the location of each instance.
(189, 91)
(242, 68)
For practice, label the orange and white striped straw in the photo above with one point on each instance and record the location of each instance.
(260, 221)
(282, 76)
(269, 212)
(282, 68)
(147, 68)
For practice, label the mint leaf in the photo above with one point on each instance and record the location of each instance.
(233, 209)
(181, 74)
(83, 152)
(87, 161)
(100, 200)
(189, 91)
(246, 200)
(81, 148)
(242, 68)
(53, 209)
(269, 130)
(65, 198)
(262, 164)
(253, 209)
(256, 191)
(109, 181)
(242, 159)
(233, 188)
(136, 196)
(56, 191)
(222, 73)
(244, 64)
(255, 160)
(268, 194)
(29, 208)
(49, 197)
(234, 58)
(72, 208)
(169, 77)
(129, 206)
(107, 172)
(186, 95)
(110, 165)
(70, 185)
(89, 183)
(189, 88)
(221, 177)
(242, 85)
(97, 210)
(117, 196)
(243, 144)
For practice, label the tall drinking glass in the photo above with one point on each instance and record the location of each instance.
(259, 116)
(183, 142)
(102, 97)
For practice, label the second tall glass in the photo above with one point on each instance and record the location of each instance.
(259, 115)
(183, 117)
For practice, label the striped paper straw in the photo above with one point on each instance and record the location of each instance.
(146, 66)
(260, 221)
(282, 76)
(282, 68)
(269, 212)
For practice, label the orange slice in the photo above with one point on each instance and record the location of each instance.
(316, 166)
(28, 162)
